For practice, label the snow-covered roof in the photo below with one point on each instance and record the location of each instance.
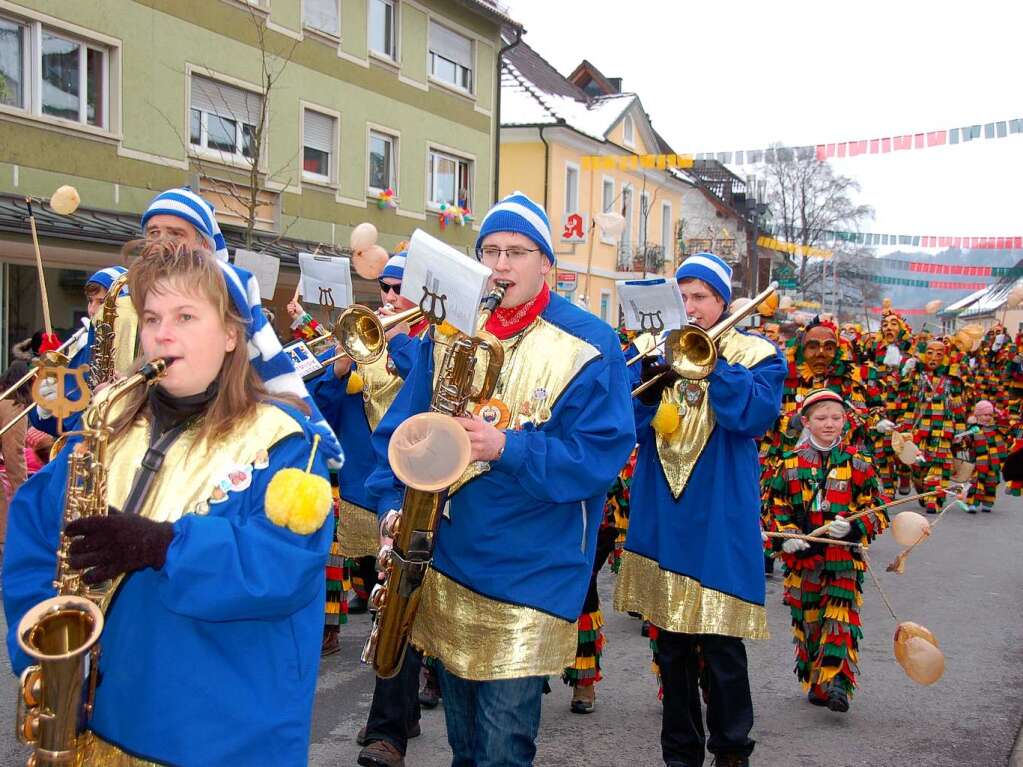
(957, 306)
(525, 103)
(992, 300)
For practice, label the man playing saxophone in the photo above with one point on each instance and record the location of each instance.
(215, 540)
(515, 547)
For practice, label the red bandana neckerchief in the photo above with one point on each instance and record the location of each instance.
(504, 323)
(417, 330)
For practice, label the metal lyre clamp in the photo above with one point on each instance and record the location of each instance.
(435, 315)
(651, 322)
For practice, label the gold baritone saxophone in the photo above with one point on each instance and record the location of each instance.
(428, 452)
(61, 634)
(113, 345)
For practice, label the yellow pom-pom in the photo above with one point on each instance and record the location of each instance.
(355, 383)
(298, 501)
(666, 419)
(446, 329)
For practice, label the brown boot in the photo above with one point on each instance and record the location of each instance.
(380, 753)
(584, 698)
(331, 642)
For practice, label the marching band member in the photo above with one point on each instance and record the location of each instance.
(515, 548)
(693, 559)
(824, 480)
(354, 398)
(96, 288)
(184, 217)
(210, 648)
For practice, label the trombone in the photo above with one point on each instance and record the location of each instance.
(693, 351)
(55, 358)
(361, 333)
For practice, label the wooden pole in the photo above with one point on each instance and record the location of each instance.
(47, 324)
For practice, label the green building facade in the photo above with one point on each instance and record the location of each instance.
(125, 98)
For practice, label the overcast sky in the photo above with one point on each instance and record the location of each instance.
(718, 76)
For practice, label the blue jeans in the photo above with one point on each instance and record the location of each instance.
(491, 724)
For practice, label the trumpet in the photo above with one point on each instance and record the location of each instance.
(361, 333)
(693, 351)
(55, 358)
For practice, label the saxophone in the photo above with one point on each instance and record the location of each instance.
(113, 346)
(62, 633)
(413, 453)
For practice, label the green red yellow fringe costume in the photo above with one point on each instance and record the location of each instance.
(824, 584)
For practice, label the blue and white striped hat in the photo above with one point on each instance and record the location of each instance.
(518, 213)
(395, 266)
(268, 358)
(190, 207)
(106, 277)
(710, 269)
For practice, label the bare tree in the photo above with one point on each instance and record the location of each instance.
(844, 284)
(807, 199)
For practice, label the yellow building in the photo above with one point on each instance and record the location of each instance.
(549, 123)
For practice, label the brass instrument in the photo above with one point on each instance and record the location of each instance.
(428, 452)
(692, 352)
(52, 359)
(62, 633)
(361, 333)
(113, 346)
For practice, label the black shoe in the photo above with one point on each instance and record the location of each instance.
(414, 731)
(731, 760)
(837, 699)
(357, 605)
(645, 629)
(817, 696)
(429, 689)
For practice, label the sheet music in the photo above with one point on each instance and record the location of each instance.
(265, 268)
(325, 280)
(651, 306)
(444, 281)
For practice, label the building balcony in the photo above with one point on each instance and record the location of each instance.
(648, 258)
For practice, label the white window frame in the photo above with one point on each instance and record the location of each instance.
(604, 182)
(236, 158)
(335, 153)
(395, 138)
(336, 36)
(666, 230)
(644, 220)
(629, 131)
(391, 57)
(430, 54)
(626, 238)
(604, 293)
(447, 154)
(570, 168)
(32, 83)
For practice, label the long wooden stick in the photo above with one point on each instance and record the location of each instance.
(813, 539)
(824, 528)
(39, 267)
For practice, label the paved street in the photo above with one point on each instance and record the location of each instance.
(965, 584)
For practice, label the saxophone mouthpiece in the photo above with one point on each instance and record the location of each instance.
(156, 368)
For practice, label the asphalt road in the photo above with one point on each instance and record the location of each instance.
(965, 584)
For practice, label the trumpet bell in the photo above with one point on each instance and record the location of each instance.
(429, 451)
(692, 353)
(360, 334)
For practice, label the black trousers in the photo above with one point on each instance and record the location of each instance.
(395, 708)
(729, 705)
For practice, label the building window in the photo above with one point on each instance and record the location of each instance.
(607, 201)
(323, 16)
(318, 132)
(666, 231)
(72, 80)
(450, 57)
(644, 216)
(223, 118)
(571, 189)
(450, 180)
(605, 305)
(626, 241)
(629, 131)
(382, 28)
(383, 161)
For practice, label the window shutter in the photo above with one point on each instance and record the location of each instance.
(225, 100)
(450, 45)
(319, 132)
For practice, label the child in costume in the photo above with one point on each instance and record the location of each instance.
(988, 449)
(818, 485)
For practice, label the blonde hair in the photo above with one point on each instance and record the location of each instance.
(163, 265)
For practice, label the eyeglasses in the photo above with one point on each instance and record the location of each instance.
(386, 287)
(493, 253)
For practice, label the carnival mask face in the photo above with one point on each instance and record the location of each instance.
(819, 349)
(984, 416)
(772, 331)
(890, 328)
(849, 331)
(934, 354)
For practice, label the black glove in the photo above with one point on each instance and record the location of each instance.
(105, 547)
(651, 369)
